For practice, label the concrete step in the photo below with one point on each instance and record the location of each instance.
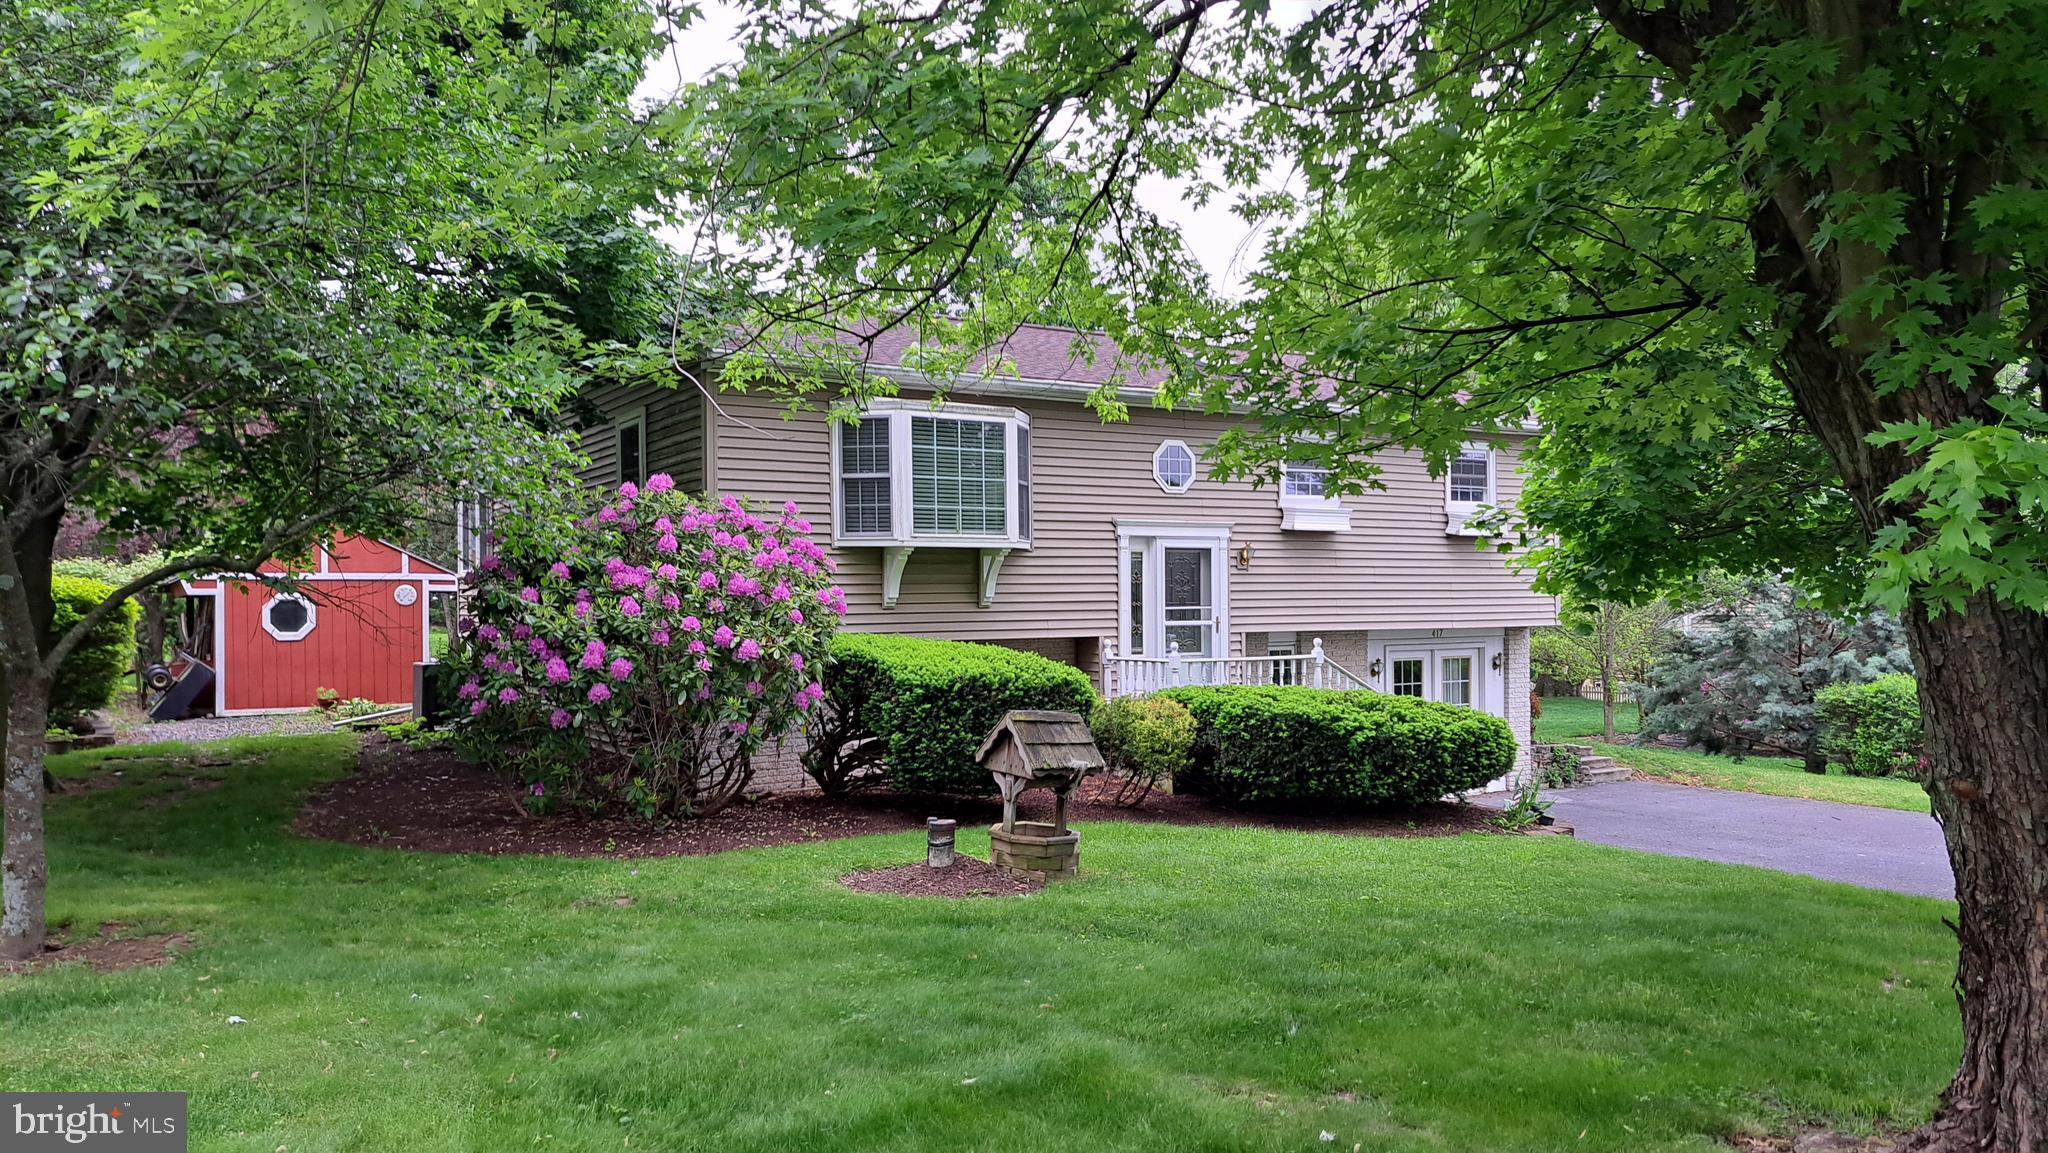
(1604, 775)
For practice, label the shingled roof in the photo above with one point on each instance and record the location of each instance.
(1034, 352)
(1051, 744)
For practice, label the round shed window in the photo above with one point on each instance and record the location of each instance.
(288, 617)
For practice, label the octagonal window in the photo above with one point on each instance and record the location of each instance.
(288, 617)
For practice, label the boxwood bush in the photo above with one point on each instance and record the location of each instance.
(912, 711)
(1873, 728)
(1266, 743)
(1143, 740)
(92, 674)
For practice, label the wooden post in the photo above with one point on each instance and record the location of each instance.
(1059, 810)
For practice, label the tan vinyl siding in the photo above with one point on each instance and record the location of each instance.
(675, 433)
(1396, 568)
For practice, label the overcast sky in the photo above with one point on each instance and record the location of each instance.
(1221, 241)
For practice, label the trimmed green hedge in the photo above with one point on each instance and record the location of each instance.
(91, 675)
(927, 705)
(1873, 728)
(1270, 743)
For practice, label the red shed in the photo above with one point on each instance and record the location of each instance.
(355, 625)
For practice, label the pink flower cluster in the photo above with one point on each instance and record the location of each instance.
(658, 611)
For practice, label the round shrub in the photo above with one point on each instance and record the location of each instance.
(92, 673)
(1144, 740)
(1873, 728)
(913, 711)
(643, 661)
(1268, 743)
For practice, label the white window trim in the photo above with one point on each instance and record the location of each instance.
(1158, 537)
(1458, 512)
(1194, 466)
(903, 535)
(1311, 513)
(636, 419)
(299, 634)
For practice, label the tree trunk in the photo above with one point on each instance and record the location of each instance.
(23, 868)
(1606, 640)
(1984, 693)
(26, 616)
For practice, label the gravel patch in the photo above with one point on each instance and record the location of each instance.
(220, 728)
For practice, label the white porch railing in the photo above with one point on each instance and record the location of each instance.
(1135, 676)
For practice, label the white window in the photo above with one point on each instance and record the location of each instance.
(1468, 488)
(1305, 501)
(1282, 667)
(1173, 466)
(632, 447)
(1407, 679)
(864, 506)
(908, 474)
(289, 617)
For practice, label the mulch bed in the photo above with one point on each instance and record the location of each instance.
(431, 800)
(965, 877)
(105, 953)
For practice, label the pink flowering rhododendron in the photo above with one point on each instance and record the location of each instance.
(600, 693)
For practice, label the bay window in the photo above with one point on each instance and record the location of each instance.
(957, 475)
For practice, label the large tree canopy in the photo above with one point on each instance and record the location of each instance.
(1769, 273)
(269, 270)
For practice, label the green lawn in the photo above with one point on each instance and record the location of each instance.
(1197, 989)
(1778, 776)
(1567, 718)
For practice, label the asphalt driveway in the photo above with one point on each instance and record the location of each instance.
(1875, 848)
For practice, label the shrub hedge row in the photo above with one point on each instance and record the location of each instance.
(1268, 743)
(917, 709)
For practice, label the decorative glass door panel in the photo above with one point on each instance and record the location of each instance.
(1188, 600)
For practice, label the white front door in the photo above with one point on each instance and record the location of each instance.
(1450, 674)
(1175, 591)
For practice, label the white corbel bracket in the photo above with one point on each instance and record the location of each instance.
(991, 564)
(893, 561)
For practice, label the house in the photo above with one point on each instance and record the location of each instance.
(1012, 514)
(354, 621)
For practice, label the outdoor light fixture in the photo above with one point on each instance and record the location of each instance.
(1374, 671)
(1496, 662)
